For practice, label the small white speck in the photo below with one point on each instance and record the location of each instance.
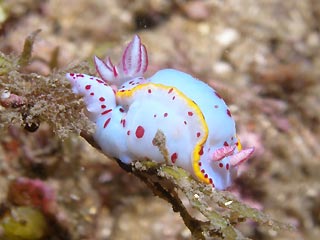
(227, 37)
(5, 94)
(92, 210)
(272, 233)
(74, 197)
(204, 29)
(228, 203)
(222, 67)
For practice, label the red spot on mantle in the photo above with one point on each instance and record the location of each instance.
(174, 157)
(228, 112)
(190, 114)
(201, 151)
(123, 122)
(106, 122)
(139, 132)
(106, 112)
(227, 166)
(88, 87)
(218, 95)
(101, 99)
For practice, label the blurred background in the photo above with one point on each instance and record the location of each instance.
(262, 56)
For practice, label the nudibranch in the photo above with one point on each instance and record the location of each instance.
(128, 111)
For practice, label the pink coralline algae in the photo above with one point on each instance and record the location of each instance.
(129, 109)
(32, 192)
